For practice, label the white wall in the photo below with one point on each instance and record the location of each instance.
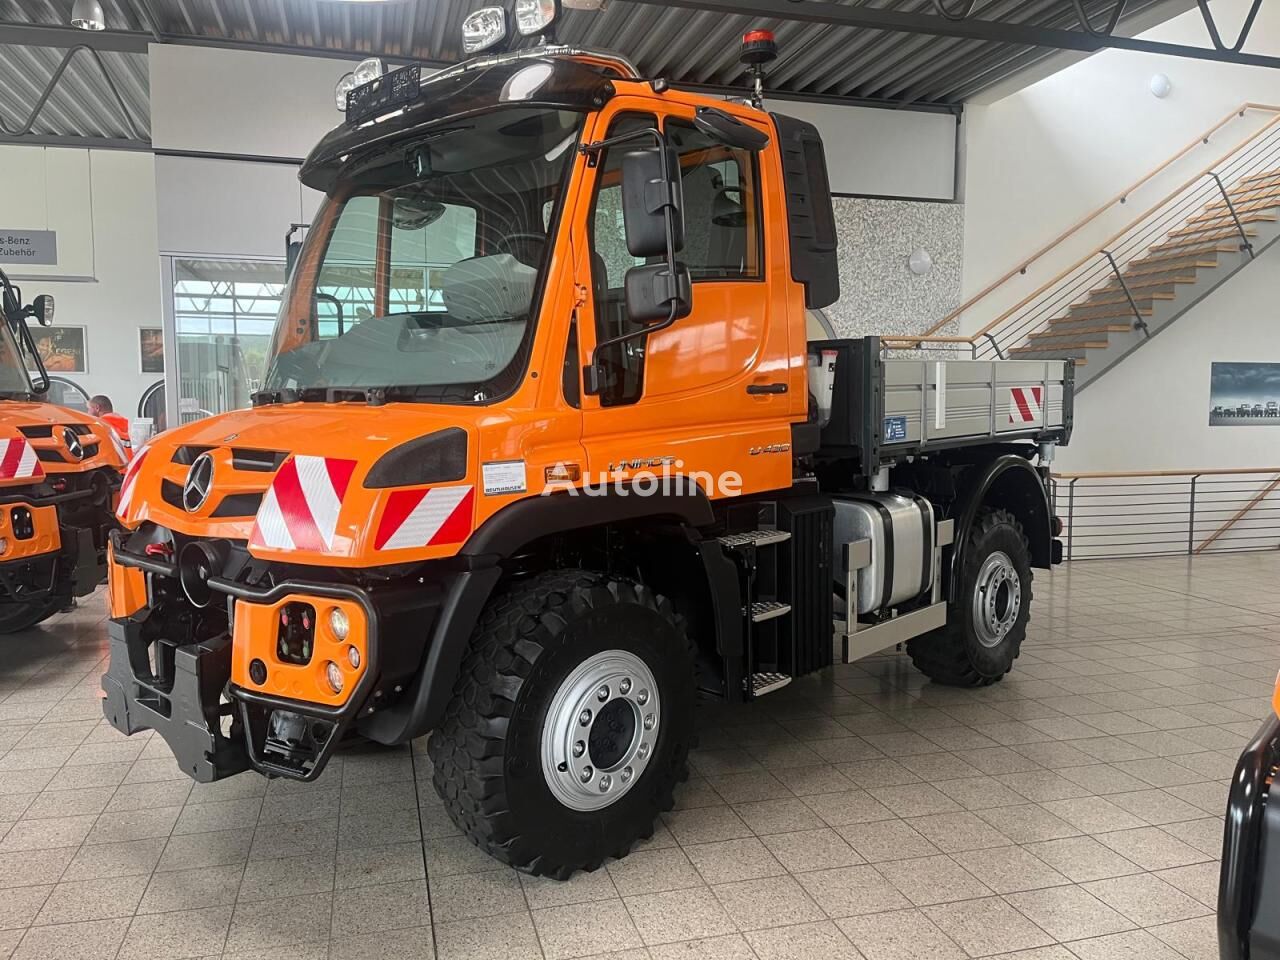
(883, 153)
(103, 204)
(1038, 161)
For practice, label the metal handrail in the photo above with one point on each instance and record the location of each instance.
(1110, 514)
(1240, 161)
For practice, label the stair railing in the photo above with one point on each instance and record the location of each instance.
(1256, 153)
(1151, 513)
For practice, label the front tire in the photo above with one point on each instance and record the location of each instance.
(570, 722)
(15, 617)
(987, 620)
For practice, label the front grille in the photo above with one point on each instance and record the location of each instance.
(186, 455)
(38, 432)
(238, 505)
(263, 461)
(90, 450)
(50, 456)
(171, 493)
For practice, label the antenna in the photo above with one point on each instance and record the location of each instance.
(758, 48)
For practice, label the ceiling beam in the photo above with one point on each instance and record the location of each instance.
(42, 35)
(1026, 34)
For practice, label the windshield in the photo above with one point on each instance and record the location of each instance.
(422, 269)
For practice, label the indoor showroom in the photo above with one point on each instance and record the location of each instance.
(648, 479)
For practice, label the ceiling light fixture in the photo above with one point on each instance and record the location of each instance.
(87, 15)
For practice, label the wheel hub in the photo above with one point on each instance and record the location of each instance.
(997, 599)
(600, 730)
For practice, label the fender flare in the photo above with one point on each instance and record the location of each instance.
(1020, 490)
(536, 517)
(498, 538)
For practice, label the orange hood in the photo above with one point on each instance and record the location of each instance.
(52, 434)
(290, 480)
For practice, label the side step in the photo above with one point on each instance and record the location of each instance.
(763, 610)
(761, 683)
(755, 538)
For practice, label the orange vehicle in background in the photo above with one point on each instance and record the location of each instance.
(60, 473)
(545, 451)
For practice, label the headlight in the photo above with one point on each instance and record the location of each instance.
(333, 674)
(345, 86)
(483, 29)
(534, 16)
(339, 625)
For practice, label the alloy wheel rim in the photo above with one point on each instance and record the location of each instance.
(601, 730)
(997, 599)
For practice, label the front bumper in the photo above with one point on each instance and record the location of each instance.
(169, 674)
(1249, 886)
(43, 560)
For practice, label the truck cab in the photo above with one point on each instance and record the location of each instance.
(59, 474)
(545, 453)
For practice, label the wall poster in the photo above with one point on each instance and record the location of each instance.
(1244, 394)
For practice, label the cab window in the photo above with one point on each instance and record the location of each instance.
(721, 206)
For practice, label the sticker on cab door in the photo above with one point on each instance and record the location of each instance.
(895, 429)
(503, 476)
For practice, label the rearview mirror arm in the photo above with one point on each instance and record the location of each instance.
(591, 373)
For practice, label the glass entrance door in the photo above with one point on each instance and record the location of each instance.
(223, 315)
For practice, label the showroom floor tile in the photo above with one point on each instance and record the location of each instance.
(1071, 812)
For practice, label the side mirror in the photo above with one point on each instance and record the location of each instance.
(651, 291)
(42, 308)
(729, 130)
(651, 188)
(291, 251)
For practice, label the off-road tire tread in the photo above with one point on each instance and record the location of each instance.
(940, 655)
(467, 749)
(37, 613)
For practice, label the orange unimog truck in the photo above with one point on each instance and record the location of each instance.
(545, 453)
(59, 476)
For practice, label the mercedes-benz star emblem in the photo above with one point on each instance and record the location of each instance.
(195, 491)
(72, 443)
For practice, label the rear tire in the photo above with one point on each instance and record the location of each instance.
(987, 620)
(547, 653)
(15, 617)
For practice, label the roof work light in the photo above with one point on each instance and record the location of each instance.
(485, 28)
(534, 16)
(366, 71)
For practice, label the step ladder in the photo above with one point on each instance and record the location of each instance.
(756, 555)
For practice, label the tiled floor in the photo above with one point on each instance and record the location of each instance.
(1071, 812)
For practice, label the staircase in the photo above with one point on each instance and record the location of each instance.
(1151, 291)
(1141, 279)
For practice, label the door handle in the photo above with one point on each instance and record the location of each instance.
(759, 389)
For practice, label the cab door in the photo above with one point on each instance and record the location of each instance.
(710, 394)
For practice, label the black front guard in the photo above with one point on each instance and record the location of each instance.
(1249, 886)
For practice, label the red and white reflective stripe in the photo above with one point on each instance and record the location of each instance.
(425, 518)
(18, 460)
(1026, 404)
(300, 509)
(129, 482)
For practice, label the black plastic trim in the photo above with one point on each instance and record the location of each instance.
(1245, 836)
(810, 217)
(437, 457)
(535, 517)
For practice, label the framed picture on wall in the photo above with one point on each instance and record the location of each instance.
(62, 349)
(151, 350)
(1244, 394)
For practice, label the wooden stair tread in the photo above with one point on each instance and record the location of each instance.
(1198, 238)
(1080, 345)
(1116, 295)
(1087, 331)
